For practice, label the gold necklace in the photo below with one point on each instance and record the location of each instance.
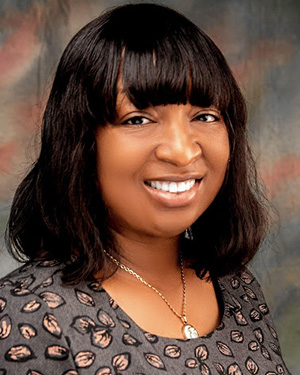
(189, 332)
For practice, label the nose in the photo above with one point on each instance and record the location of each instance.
(178, 144)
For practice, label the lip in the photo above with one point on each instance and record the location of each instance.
(174, 200)
(176, 178)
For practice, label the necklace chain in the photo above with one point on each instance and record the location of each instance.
(181, 316)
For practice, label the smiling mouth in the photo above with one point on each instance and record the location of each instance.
(172, 186)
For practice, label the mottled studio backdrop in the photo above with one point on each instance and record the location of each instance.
(261, 40)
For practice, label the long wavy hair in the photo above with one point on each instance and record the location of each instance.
(162, 58)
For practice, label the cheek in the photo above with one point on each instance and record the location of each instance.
(118, 168)
(117, 161)
(217, 151)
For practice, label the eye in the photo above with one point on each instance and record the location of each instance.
(207, 117)
(136, 120)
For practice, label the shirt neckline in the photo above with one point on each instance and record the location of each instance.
(221, 297)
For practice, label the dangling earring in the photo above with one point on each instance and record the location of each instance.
(188, 234)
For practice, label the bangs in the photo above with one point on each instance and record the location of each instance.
(169, 62)
(173, 73)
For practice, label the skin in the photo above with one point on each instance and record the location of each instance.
(164, 143)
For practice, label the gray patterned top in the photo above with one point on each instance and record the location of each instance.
(50, 328)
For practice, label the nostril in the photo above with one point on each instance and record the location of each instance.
(178, 155)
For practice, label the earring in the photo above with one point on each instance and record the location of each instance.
(188, 234)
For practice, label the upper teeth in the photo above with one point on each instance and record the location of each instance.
(172, 187)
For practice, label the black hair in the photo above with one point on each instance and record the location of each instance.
(161, 58)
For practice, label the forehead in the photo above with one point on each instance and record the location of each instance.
(164, 74)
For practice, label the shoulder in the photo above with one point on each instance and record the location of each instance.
(38, 284)
(33, 272)
(245, 285)
(29, 282)
(244, 299)
(36, 312)
(26, 304)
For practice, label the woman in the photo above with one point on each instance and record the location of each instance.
(140, 214)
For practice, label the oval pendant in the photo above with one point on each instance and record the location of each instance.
(190, 332)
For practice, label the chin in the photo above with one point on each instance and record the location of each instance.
(170, 230)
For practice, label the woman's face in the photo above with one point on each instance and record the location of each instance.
(161, 167)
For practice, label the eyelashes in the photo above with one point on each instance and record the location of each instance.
(142, 120)
(207, 117)
(137, 120)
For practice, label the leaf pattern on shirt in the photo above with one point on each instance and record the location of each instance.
(31, 306)
(101, 337)
(236, 336)
(3, 303)
(121, 361)
(50, 324)
(155, 361)
(84, 298)
(27, 330)
(84, 329)
(84, 359)
(83, 324)
(105, 319)
(53, 300)
(191, 363)
(104, 371)
(127, 339)
(224, 349)
(5, 327)
(57, 352)
(19, 353)
(252, 366)
(172, 351)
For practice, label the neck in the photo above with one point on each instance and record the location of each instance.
(152, 258)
